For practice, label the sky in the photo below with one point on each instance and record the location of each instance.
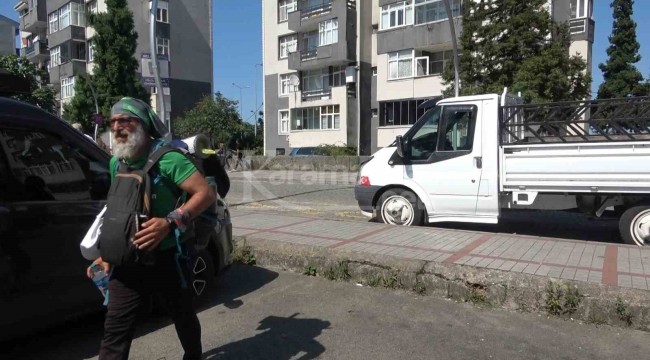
(238, 46)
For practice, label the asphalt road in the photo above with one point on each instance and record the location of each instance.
(331, 195)
(261, 314)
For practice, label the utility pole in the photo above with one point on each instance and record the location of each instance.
(256, 110)
(241, 113)
(454, 42)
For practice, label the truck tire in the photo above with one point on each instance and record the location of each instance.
(634, 225)
(400, 207)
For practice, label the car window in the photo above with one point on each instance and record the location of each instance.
(423, 143)
(459, 128)
(43, 167)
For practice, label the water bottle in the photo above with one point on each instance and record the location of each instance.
(100, 278)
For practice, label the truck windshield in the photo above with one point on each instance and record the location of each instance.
(423, 137)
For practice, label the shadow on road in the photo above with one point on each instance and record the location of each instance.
(80, 339)
(283, 338)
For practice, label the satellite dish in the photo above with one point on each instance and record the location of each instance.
(294, 81)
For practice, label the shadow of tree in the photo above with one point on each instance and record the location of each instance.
(283, 338)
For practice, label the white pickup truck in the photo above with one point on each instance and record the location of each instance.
(469, 157)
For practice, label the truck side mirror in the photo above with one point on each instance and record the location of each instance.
(401, 146)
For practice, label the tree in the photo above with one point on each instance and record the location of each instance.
(508, 43)
(216, 117)
(81, 107)
(554, 75)
(620, 76)
(41, 95)
(114, 75)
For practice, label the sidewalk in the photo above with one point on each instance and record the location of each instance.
(610, 270)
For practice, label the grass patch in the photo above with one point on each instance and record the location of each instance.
(243, 253)
(623, 312)
(338, 272)
(309, 271)
(562, 300)
(419, 288)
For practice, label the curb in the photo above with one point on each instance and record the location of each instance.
(588, 302)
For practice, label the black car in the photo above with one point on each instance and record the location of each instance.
(53, 183)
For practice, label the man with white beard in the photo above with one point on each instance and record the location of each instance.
(136, 133)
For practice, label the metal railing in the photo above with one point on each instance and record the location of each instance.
(611, 120)
(312, 10)
(316, 94)
(578, 26)
(31, 49)
(308, 54)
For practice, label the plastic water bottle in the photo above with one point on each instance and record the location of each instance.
(100, 278)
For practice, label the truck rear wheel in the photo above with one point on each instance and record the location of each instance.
(634, 225)
(400, 207)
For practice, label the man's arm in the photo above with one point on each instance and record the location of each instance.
(156, 229)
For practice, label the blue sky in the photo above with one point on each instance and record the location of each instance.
(238, 45)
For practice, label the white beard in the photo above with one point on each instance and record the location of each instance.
(132, 147)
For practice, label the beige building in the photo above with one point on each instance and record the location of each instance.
(353, 72)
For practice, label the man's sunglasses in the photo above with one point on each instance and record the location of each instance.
(121, 121)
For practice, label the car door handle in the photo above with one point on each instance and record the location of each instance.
(478, 161)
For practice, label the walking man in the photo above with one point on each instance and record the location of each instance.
(136, 133)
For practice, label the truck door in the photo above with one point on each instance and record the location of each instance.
(451, 175)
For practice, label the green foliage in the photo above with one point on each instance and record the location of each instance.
(419, 288)
(338, 272)
(620, 76)
(562, 299)
(81, 107)
(334, 150)
(115, 72)
(623, 312)
(243, 253)
(505, 44)
(309, 271)
(41, 95)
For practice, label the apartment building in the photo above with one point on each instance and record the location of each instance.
(410, 43)
(317, 57)
(9, 30)
(56, 35)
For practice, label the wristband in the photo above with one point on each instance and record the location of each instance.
(178, 219)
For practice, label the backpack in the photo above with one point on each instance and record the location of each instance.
(128, 198)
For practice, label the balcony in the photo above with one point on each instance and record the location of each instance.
(67, 69)
(37, 50)
(310, 13)
(316, 94)
(582, 29)
(33, 23)
(322, 56)
(71, 32)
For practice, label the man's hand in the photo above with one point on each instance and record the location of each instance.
(103, 264)
(152, 233)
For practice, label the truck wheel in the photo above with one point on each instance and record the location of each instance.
(634, 225)
(400, 207)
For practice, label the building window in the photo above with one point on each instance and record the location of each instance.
(400, 113)
(338, 76)
(283, 122)
(313, 80)
(162, 15)
(55, 56)
(162, 45)
(92, 7)
(400, 64)
(396, 15)
(328, 32)
(438, 61)
(78, 14)
(67, 87)
(434, 10)
(581, 8)
(330, 119)
(288, 44)
(285, 84)
(285, 7)
(91, 50)
(54, 22)
(316, 118)
(64, 16)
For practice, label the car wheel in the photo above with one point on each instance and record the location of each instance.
(400, 207)
(634, 225)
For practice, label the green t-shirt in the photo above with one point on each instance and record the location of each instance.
(175, 168)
